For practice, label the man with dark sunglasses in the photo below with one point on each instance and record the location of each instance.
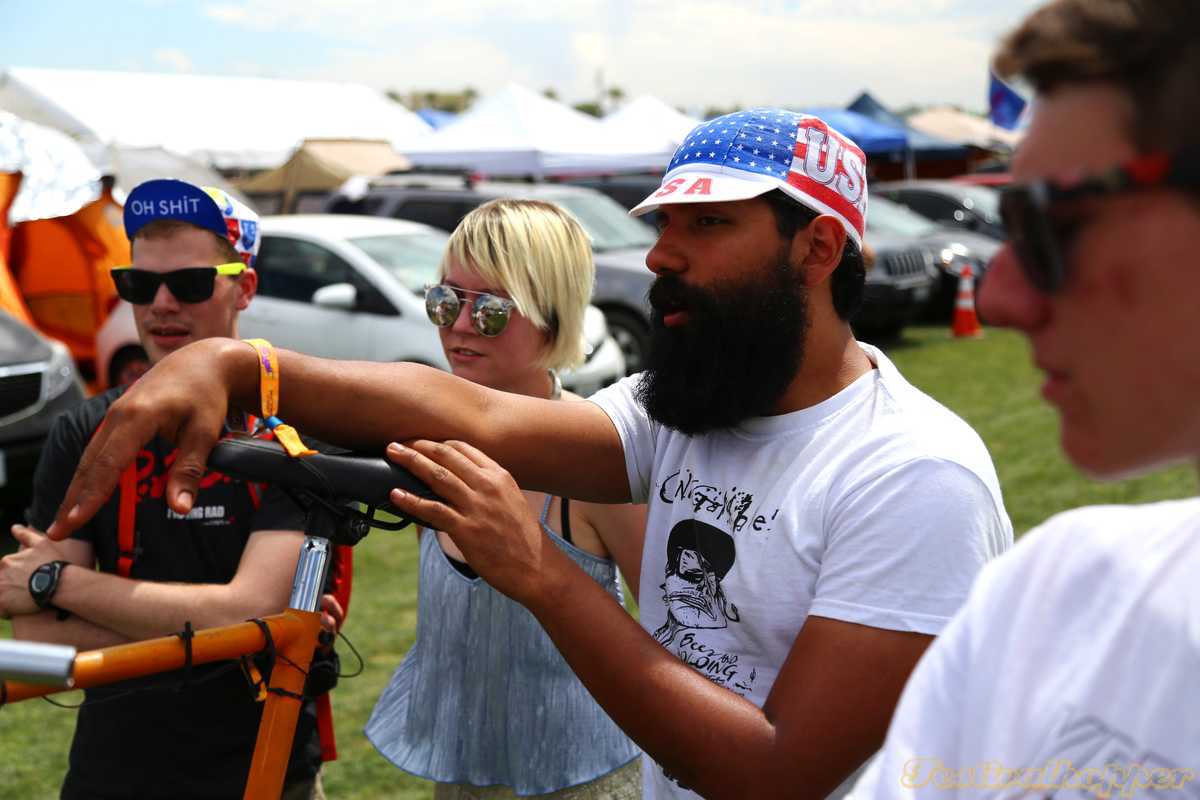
(814, 519)
(1074, 669)
(230, 558)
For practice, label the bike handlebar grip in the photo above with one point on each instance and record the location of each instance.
(36, 662)
(351, 477)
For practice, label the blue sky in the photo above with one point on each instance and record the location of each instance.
(691, 53)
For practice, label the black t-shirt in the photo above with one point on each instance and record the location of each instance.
(198, 741)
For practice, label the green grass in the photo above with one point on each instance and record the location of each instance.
(988, 381)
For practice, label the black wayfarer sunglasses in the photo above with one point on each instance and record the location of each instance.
(189, 285)
(1041, 216)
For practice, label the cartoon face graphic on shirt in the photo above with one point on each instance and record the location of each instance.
(698, 557)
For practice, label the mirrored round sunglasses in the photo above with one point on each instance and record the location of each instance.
(489, 313)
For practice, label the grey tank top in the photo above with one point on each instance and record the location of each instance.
(485, 698)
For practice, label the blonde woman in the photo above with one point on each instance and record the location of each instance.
(484, 704)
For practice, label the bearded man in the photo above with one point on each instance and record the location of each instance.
(857, 509)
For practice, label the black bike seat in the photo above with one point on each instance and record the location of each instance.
(353, 477)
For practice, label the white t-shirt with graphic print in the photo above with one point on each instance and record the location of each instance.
(877, 506)
(1073, 670)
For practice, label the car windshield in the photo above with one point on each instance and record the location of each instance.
(983, 200)
(412, 257)
(610, 227)
(885, 216)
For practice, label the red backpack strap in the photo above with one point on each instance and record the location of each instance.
(325, 728)
(127, 521)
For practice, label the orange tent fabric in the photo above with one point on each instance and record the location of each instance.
(62, 269)
(10, 297)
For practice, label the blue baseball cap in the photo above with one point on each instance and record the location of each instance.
(203, 206)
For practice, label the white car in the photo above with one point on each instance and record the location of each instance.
(348, 287)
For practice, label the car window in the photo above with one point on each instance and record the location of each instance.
(885, 216)
(292, 269)
(412, 258)
(367, 206)
(983, 200)
(440, 213)
(929, 205)
(610, 227)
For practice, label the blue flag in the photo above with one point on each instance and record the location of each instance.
(1005, 105)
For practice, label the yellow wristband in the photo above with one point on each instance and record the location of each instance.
(268, 375)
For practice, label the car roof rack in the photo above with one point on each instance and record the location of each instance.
(428, 178)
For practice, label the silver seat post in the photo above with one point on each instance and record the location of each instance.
(311, 570)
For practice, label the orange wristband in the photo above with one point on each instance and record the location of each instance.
(268, 375)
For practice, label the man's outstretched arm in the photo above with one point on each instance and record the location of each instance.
(569, 449)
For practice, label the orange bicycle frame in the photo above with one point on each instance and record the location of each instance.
(294, 633)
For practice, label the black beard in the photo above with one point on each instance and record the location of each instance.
(733, 358)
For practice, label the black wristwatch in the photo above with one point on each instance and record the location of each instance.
(43, 583)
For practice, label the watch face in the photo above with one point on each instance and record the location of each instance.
(40, 582)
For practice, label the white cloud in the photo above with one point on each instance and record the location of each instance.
(689, 52)
(172, 58)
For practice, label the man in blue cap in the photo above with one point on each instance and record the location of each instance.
(814, 519)
(228, 559)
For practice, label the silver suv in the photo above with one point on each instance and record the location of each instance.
(619, 242)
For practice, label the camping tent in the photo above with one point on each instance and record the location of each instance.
(654, 125)
(229, 123)
(322, 165)
(517, 131)
(65, 234)
(959, 126)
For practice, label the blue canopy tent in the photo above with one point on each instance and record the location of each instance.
(875, 138)
(436, 117)
(922, 144)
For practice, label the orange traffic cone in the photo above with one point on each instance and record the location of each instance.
(966, 321)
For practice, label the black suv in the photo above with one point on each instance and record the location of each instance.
(619, 242)
(38, 381)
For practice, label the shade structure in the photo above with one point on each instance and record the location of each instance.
(517, 131)
(968, 129)
(322, 165)
(651, 123)
(228, 123)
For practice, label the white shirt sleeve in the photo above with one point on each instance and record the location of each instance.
(903, 548)
(636, 430)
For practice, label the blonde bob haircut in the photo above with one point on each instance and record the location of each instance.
(541, 257)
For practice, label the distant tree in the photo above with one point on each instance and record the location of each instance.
(454, 102)
(615, 95)
(589, 107)
(718, 111)
(550, 92)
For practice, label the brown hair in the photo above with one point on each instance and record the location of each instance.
(1148, 48)
(164, 228)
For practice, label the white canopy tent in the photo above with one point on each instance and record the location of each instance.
(228, 123)
(963, 128)
(517, 131)
(650, 122)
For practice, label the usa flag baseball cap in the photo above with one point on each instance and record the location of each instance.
(203, 206)
(749, 153)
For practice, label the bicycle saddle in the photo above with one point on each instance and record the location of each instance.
(352, 477)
